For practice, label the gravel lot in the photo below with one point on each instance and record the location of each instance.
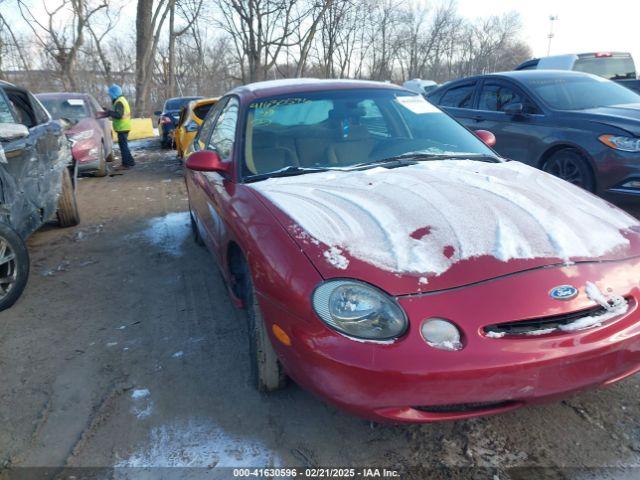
(125, 351)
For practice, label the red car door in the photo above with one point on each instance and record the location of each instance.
(209, 191)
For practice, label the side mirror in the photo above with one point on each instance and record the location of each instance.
(488, 138)
(12, 131)
(102, 114)
(207, 161)
(514, 109)
(157, 113)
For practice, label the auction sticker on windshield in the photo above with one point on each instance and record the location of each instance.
(416, 104)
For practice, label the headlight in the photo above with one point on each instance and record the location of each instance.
(626, 144)
(84, 135)
(191, 126)
(359, 310)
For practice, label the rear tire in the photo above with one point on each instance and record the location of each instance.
(267, 372)
(68, 215)
(14, 266)
(570, 165)
(103, 169)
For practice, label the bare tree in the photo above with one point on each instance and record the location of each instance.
(60, 38)
(149, 21)
(259, 29)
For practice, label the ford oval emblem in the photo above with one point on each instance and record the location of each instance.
(564, 292)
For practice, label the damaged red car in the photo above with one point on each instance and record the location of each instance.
(393, 264)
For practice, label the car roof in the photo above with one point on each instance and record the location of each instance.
(527, 74)
(61, 95)
(296, 85)
(192, 97)
(204, 101)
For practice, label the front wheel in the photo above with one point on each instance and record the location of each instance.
(103, 169)
(14, 266)
(568, 164)
(267, 372)
(68, 215)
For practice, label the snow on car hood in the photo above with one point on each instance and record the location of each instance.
(423, 220)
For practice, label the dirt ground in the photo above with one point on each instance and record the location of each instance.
(125, 351)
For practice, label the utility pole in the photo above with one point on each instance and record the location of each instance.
(552, 18)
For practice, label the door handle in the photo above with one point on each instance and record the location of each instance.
(477, 118)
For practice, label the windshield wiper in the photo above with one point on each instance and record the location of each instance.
(288, 171)
(413, 157)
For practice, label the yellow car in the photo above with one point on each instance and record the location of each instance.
(191, 117)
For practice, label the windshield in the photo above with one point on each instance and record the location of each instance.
(74, 109)
(580, 92)
(340, 129)
(178, 103)
(613, 68)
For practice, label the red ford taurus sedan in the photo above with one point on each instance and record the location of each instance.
(393, 264)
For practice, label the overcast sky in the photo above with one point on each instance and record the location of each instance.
(583, 25)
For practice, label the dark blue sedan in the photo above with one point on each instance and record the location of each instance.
(579, 127)
(168, 118)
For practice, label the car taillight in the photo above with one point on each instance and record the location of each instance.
(164, 120)
(604, 54)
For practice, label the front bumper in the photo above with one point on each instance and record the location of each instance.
(408, 381)
(619, 173)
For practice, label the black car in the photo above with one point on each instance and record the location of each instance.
(37, 181)
(580, 127)
(169, 116)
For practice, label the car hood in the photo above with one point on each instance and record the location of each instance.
(444, 224)
(625, 117)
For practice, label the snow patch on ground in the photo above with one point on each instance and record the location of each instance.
(199, 443)
(178, 354)
(508, 210)
(140, 393)
(169, 232)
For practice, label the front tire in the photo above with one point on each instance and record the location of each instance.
(103, 169)
(68, 215)
(14, 266)
(194, 231)
(570, 165)
(267, 372)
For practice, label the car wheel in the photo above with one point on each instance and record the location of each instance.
(14, 266)
(570, 165)
(68, 215)
(194, 231)
(109, 157)
(267, 372)
(103, 169)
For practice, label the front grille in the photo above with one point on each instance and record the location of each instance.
(466, 407)
(538, 326)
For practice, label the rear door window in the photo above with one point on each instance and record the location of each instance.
(496, 97)
(459, 97)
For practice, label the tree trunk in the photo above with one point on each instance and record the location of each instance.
(171, 86)
(144, 35)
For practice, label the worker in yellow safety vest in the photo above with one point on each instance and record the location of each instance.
(121, 115)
